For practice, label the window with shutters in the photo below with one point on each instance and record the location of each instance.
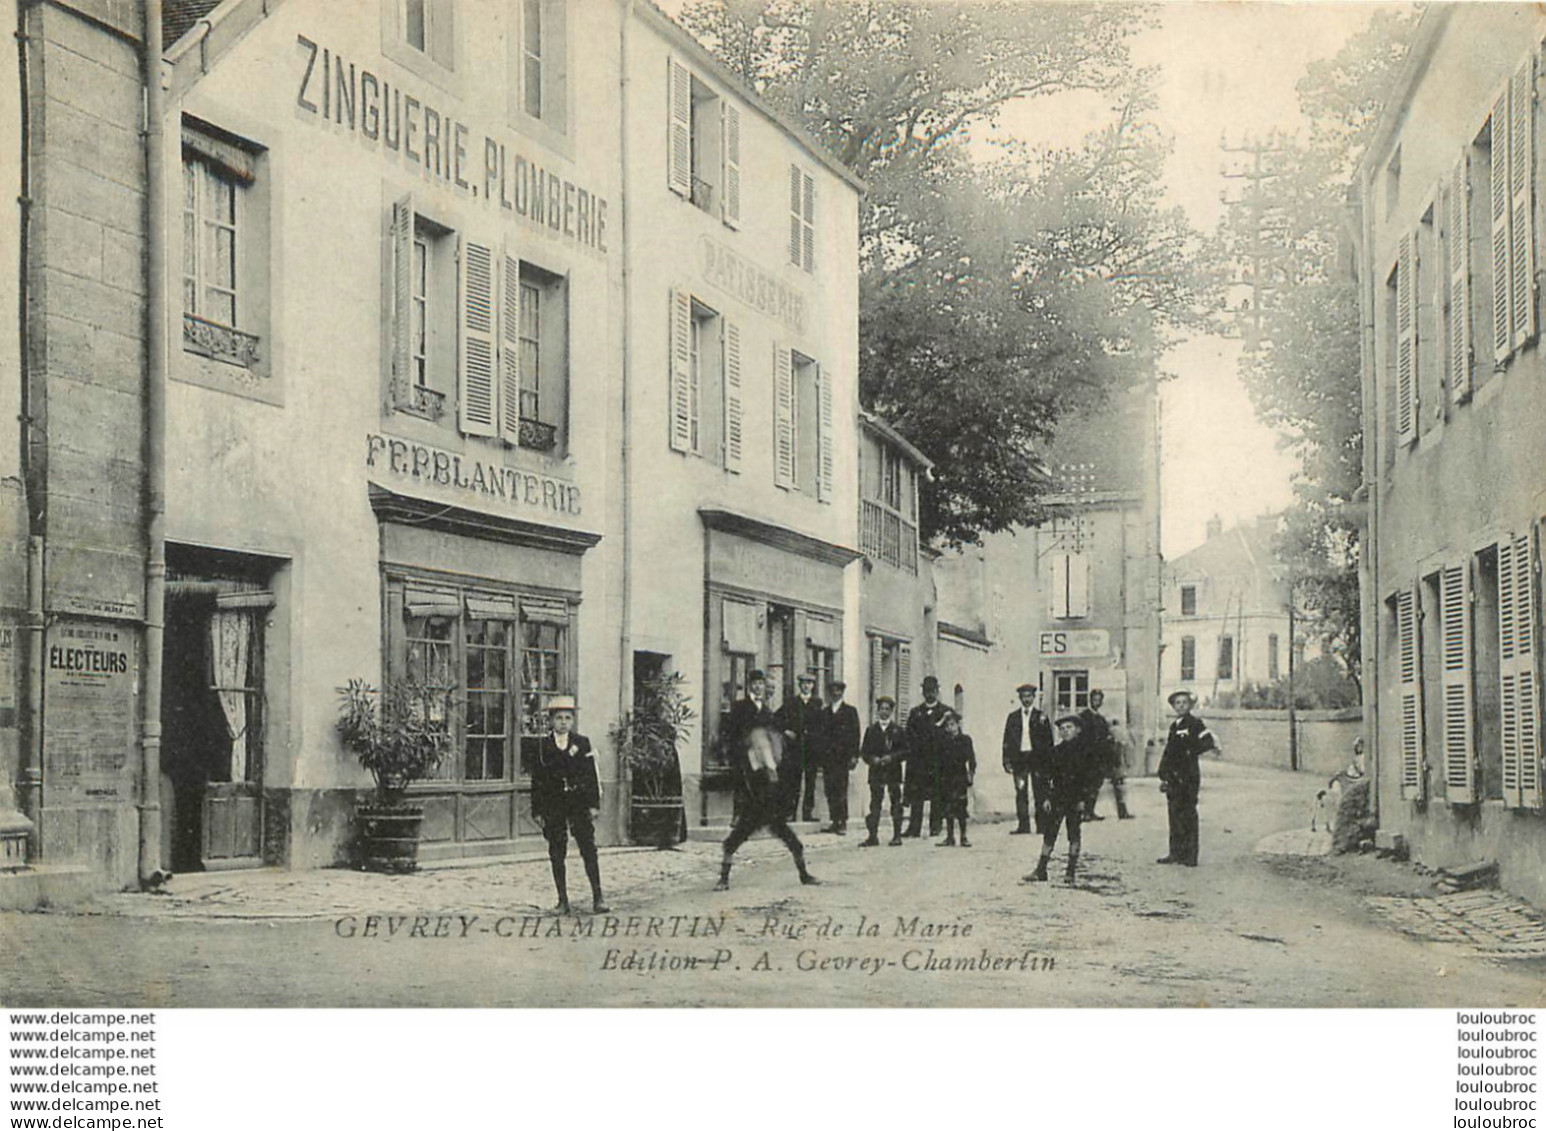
(1188, 659)
(706, 411)
(499, 655)
(1226, 664)
(430, 343)
(1486, 713)
(1068, 585)
(539, 86)
(224, 248)
(702, 371)
(1428, 286)
(703, 144)
(802, 218)
(1477, 162)
(1519, 691)
(812, 440)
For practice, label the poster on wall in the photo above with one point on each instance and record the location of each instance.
(89, 684)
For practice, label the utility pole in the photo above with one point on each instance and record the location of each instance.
(1253, 202)
(1293, 720)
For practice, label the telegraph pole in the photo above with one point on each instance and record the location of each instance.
(1256, 172)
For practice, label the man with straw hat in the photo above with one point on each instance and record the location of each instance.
(565, 797)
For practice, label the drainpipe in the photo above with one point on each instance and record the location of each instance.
(150, 873)
(1369, 556)
(625, 636)
(30, 772)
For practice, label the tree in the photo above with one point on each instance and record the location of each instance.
(997, 299)
(1302, 369)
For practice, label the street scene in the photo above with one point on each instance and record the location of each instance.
(772, 503)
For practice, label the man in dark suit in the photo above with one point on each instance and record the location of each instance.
(1097, 735)
(745, 713)
(924, 723)
(1181, 778)
(565, 796)
(801, 719)
(1027, 742)
(840, 754)
(885, 752)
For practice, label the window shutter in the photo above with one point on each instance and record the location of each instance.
(1521, 164)
(877, 666)
(1455, 608)
(1516, 653)
(1057, 587)
(904, 679)
(808, 192)
(732, 346)
(678, 128)
(783, 417)
(796, 217)
(1410, 696)
(681, 375)
(478, 403)
(1079, 585)
(824, 478)
(1406, 345)
(731, 121)
(510, 351)
(1501, 290)
(401, 239)
(1459, 321)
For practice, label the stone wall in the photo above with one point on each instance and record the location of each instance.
(1260, 738)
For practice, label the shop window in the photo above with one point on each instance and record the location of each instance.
(471, 327)
(497, 658)
(1071, 690)
(802, 218)
(1188, 659)
(1226, 665)
(224, 247)
(1189, 600)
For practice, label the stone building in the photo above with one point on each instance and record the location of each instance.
(1454, 392)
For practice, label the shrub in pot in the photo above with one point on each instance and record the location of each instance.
(646, 740)
(399, 734)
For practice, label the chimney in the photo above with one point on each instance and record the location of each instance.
(1215, 527)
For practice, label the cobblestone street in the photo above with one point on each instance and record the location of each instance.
(915, 925)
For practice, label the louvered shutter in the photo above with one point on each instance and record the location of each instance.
(877, 667)
(824, 478)
(733, 414)
(1518, 691)
(783, 418)
(478, 404)
(1502, 320)
(731, 121)
(678, 128)
(401, 240)
(510, 351)
(1459, 759)
(904, 679)
(1458, 324)
(808, 198)
(796, 216)
(1410, 696)
(681, 372)
(1521, 164)
(1406, 344)
(1078, 585)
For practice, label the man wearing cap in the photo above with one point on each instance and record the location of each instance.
(884, 752)
(840, 754)
(756, 752)
(1097, 733)
(1027, 742)
(801, 719)
(1180, 778)
(1067, 771)
(924, 723)
(565, 797)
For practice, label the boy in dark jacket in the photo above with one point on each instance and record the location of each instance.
(957, 769)
(1068, 773)
(566, 795)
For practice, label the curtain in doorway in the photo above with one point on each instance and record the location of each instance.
(230, 639)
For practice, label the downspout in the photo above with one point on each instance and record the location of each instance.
(150, 873)
(1369, 552)
(30, 772)
(625, 636)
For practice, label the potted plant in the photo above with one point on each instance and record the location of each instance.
(399, 734)
(645, 739)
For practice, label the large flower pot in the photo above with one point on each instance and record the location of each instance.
(656, 820)
(389, 836)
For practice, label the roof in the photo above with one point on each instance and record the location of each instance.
(881, 428)
(1430, 25)
(1242, 552)
(684, 39)
(177, 16)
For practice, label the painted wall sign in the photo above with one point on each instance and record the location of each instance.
(90, 675)
(1074, 644)
(483, 165)
(742, 279)
(484, 479)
